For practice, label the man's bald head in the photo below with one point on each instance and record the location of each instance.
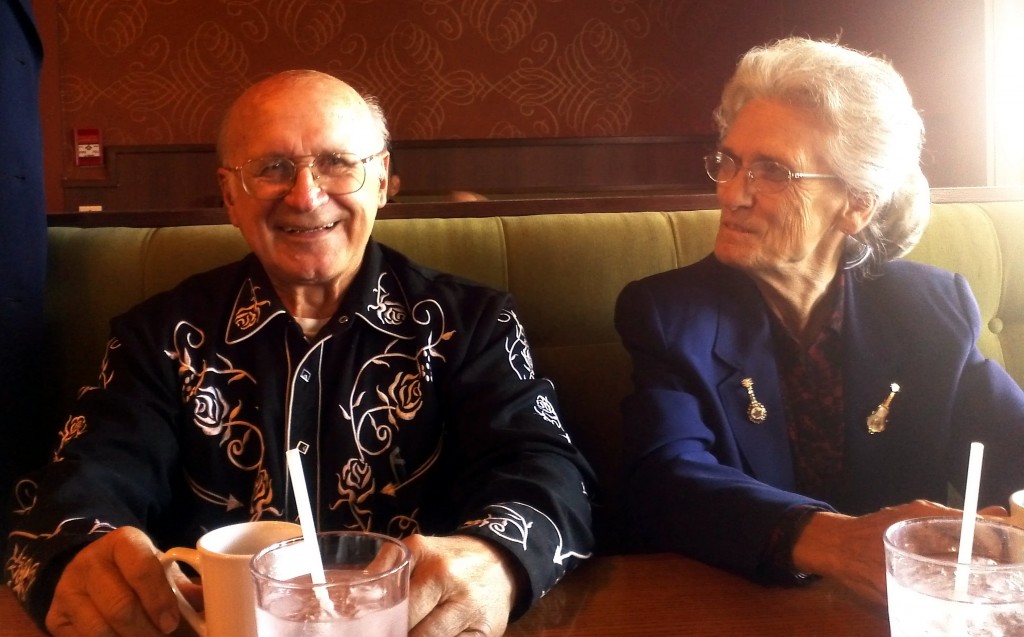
(295, 86)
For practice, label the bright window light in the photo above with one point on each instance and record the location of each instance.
(1005, 81)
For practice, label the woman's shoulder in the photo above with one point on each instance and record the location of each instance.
(689, 295)
(918, 292)
(901, 274)
(707, 274)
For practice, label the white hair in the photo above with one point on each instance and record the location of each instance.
(876, 133)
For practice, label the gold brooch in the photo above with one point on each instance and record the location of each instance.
(756, 412)
(879, 418)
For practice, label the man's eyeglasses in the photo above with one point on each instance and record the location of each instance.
(765, 176)
(273, 177)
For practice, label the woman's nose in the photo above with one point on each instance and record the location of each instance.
(737, 192)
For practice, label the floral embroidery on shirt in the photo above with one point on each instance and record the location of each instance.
(73, 428)
(106, 374)
(404, 397)
(25, 496)
(546, 410)
(22, 571)
(355, 485)
(519, 356)
(514, 526)
(509, 524)
(388, 394)
(202, 391)
(388, 312)
(248, 316)
(404, 525)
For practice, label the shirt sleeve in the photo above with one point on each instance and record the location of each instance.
(523, 484)
(111, 467)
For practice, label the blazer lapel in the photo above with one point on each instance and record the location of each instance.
(31, 34)
(874, 357)
(744, 344)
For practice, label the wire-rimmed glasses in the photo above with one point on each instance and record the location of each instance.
(765, 176)
(272, 177)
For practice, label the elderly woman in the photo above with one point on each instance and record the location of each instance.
(802, 388)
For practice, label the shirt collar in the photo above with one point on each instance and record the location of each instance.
(375, 296)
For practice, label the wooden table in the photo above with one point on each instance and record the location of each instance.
(654, 596)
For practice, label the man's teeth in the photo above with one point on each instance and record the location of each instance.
(303, 230)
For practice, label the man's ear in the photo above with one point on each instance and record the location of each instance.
(226, 192)
(382, 186)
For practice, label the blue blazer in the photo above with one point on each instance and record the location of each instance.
(25, 433)
(703, 480)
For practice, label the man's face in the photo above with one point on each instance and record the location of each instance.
(308, 237)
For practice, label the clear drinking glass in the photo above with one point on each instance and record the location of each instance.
(921, 578)
(366, 590)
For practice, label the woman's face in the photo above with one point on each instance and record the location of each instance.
(797, 232)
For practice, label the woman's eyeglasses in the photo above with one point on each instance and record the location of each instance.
(765, 176)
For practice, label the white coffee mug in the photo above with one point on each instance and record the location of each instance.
(221, 558)
(1017, 509)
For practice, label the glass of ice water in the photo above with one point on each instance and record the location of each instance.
(925, 596)
(366, 590)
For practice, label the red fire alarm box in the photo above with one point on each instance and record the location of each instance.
(88, 147)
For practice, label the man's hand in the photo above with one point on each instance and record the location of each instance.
(460, 585)
(850, 549)
(114, 586)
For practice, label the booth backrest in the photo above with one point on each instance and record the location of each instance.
(565, 271)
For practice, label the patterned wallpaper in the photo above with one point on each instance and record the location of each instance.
(162, 71)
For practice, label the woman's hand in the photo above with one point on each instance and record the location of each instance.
(850, 549)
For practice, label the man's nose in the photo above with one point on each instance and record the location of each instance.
(306, 193)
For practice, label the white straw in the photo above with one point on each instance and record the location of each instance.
(316, 564)
(970, 516)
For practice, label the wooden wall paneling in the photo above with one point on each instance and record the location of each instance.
(491, 208)
(183, 175)
(172, 176)
(567, 205)
(503, 167)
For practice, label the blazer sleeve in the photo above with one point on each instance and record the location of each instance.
(989, 408)
(687, 487)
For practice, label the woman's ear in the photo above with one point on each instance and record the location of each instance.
(860, 207)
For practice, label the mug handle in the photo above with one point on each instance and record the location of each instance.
(190, 557)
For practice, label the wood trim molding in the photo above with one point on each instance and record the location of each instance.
(495, 208)
(177, 176)
(980, 194)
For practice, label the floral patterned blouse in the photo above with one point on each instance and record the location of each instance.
(417, 407)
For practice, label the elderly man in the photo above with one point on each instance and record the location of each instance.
(413, 390)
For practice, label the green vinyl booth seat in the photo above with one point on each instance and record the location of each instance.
(565, 270)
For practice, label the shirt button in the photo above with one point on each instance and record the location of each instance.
(342, 320)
